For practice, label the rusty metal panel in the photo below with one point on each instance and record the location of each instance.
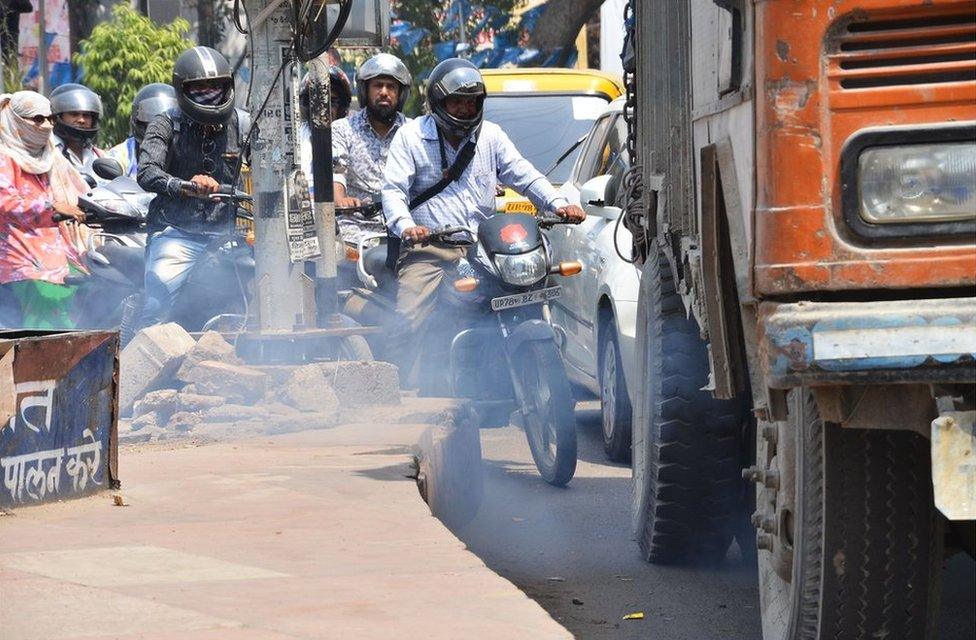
(58, 415)
(895, 341)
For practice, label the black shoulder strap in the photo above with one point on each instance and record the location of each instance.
(450, 174)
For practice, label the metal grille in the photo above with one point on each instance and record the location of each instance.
(898, 52)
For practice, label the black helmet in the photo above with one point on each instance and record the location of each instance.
(457, 77)
(340, 91)
(383, 64)
(75, 97)
(149, 102)
(196, 68)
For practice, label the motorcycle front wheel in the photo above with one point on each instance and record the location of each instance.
(548, 412)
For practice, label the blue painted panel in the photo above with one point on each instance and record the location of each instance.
(59, 442)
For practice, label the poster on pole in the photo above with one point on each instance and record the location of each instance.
(57, 36)
(303, 241)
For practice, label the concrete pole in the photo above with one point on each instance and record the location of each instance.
(320, 121)
(284, 295)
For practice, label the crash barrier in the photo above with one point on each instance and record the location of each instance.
(58, 415)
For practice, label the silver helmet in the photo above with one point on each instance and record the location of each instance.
(71, 98)
(150, 101)
(383, 64)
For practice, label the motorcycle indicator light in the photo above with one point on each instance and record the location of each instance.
(352, 255)
(466, 285)
(569, 268)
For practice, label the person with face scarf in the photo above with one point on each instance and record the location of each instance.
(36, 182)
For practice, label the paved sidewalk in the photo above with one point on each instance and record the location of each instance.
(316, 534)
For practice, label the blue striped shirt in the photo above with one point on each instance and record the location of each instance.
(414, 164)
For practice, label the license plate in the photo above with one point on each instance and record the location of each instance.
(530, 297)
(519, 206)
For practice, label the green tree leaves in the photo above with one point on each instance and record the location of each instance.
(122, 55)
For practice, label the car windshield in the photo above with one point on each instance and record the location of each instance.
(543, 127)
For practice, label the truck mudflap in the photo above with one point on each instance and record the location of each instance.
(954, 464)
(826, 343)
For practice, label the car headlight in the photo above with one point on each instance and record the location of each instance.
(522, 269)
(917, 183)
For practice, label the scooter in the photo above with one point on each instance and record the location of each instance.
(114, 258)
(504, 356)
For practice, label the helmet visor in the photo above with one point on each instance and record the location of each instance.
(463, 81)
(208, 93)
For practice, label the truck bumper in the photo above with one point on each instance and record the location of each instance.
(826, 343)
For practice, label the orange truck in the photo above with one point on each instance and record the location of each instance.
(803, 206)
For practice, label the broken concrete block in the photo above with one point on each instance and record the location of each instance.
(236, 383)
(363, 383)
(194, 402)
(234, 412)
(304, 421)
(210, 346)
(183, 421)
(165, 402)
(308, 390)
(145, 421)
(150, 360)
(147, 434)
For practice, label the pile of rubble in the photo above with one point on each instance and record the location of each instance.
(172, 385)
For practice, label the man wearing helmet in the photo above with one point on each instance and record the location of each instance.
(150, 101)
(77, 111)
(199, 142)
(340, 94)
(418, 197)
(361, 142)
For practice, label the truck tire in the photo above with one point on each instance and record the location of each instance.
(865, 540)
(686, 444)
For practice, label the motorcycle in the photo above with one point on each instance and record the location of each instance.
(215, 294)
(504, 356)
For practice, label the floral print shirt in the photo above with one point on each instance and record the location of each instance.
(32, 245)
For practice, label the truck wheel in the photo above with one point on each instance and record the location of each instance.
(686, 443)
(615, 409)
(854, 548)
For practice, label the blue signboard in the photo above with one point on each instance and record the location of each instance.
(58, 435)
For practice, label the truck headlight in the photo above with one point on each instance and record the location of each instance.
(917, 183)
(522, 269)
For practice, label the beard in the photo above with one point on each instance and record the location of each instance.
(382, 113)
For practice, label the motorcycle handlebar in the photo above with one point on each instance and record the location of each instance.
(369, 209)
(548, 222)
(225, 192)
(61, 217)
(441, 234)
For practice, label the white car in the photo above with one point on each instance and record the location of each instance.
(597, 312)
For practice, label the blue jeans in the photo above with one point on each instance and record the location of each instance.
(171, 255)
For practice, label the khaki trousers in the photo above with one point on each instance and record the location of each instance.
(420, 271)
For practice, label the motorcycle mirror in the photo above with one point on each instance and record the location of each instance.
(107, 168)
(90, 180)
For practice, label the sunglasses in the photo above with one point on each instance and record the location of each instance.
(40, 120)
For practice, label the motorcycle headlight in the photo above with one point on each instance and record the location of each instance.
(917, 183)
(522, 269)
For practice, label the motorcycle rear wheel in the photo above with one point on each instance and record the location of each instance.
(548, 412)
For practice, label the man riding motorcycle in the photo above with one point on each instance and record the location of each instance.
(199, 142)
(150, 101)
(361, 142)
(77, 111)
(441, 171)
